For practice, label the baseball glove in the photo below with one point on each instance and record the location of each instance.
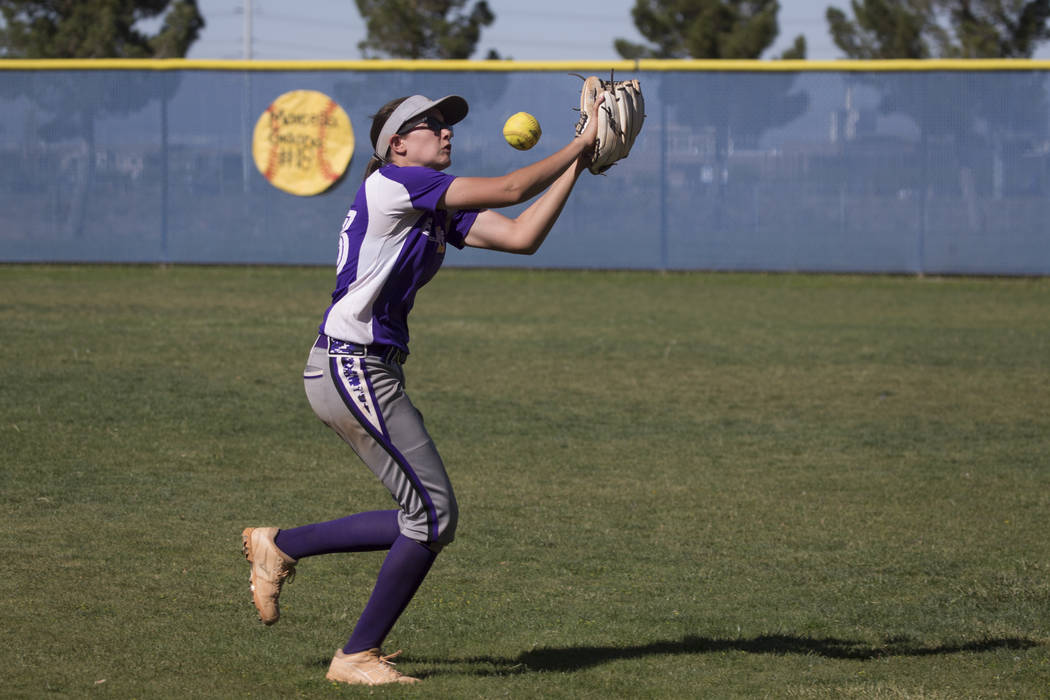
(620, 118)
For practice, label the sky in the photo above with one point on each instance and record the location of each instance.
(536, 30)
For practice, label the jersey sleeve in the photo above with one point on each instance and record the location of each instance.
(425, 186)
(459, 226)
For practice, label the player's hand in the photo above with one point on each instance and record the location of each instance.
(590, 129)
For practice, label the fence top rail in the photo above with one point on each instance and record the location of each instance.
(646, 64)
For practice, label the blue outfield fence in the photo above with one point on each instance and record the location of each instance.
(935, 168)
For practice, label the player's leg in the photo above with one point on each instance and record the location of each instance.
(360, 660)
(364, 401)
(361, 532)
(358, 396)
(274, 553)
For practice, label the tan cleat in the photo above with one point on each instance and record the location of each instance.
(366, 668)
(270, 568)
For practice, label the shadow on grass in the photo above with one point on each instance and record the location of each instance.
(578, 657)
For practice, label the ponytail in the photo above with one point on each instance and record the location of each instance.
(374, 164)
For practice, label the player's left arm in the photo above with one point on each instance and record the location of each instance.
(525, 233)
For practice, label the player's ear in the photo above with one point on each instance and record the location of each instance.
(398, 145)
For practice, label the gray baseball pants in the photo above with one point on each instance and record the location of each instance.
(362, 398)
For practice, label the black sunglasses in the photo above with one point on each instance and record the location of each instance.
(427, 122)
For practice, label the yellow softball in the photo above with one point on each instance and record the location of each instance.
(522, 131)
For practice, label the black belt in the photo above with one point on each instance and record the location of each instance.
(391, 354)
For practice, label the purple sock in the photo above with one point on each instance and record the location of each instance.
(402, 572)
(361, 532)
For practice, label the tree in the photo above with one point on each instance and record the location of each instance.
(705, 29)
(97, 28)
(940, 28)
(443, 29)
(885, 29)
(797, 52)
(1007, 28)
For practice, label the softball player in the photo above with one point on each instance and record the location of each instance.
(392, 242)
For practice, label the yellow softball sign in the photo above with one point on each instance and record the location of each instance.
(303, 142)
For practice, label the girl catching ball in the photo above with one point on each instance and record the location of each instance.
(392, 242)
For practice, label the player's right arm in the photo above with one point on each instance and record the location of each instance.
(525, 183)
(525, 233)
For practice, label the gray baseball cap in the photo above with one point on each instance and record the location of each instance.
(453, 109)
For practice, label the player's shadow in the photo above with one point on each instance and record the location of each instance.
(578, 657)
(827, 647)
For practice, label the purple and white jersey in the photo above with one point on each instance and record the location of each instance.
(392, 243)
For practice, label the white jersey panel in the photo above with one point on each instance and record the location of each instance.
(351, 317)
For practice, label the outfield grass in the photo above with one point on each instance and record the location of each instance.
(671, 486)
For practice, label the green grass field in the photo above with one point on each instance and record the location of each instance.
(671, 485)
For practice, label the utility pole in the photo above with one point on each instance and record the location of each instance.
(247, 30)
(246, 99)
